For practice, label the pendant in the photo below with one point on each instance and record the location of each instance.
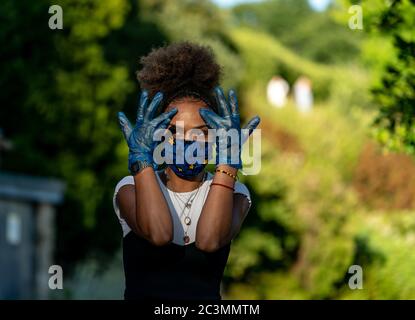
(186, 239)
(188, 205)
(187, 221)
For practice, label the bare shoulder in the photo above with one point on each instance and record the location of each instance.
(126, 192)
(126, 200)
(241, 188)
(124, 186)
(241, 199)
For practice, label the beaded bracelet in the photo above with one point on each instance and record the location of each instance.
(228, 173)
(222, 185)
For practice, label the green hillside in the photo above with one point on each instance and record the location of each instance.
(308, 225)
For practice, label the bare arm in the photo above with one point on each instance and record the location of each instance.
(143, 206)
(222, 214)
(145, 209)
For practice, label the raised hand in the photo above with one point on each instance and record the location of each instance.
(227, 124)
(140, 137)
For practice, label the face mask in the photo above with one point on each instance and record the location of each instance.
(189, 158)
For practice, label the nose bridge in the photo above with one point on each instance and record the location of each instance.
(185, 131)
(188, 134)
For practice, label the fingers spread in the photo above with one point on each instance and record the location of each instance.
(249, 128)
(252, 124)
(223, 108)
(164, 124)
(233, 101)
(125, 125)
(152, 108)
(142, 105)
(164, 118)
(210, 118)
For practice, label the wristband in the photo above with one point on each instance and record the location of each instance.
(227, 173)
(222, 185)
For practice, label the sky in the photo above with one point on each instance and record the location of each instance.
(318, 5)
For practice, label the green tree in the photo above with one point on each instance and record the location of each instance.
(314, 35)
(200, 21)
(395, 92)
(61, 90)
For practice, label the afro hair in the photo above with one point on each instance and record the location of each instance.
(180, 70)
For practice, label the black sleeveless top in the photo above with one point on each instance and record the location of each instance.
(171, 271)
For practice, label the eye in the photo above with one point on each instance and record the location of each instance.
(200, 135)
(172, 130)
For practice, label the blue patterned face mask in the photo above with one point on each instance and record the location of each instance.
(189, 158)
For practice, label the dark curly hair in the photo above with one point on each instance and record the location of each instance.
(180, 70)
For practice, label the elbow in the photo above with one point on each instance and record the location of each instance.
(157, 237)
(207, 246)
(160, 240)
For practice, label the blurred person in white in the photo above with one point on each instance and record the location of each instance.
(277, 91)
(303, 94)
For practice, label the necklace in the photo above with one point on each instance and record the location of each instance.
(186, 238)
(188, 205)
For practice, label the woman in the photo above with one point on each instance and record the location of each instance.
(178, 222)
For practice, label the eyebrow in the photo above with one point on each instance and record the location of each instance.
(197, 127)
(201, 126)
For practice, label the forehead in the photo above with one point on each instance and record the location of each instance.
(188, 112)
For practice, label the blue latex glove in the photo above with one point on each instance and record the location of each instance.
(228, 119)
(140, 137)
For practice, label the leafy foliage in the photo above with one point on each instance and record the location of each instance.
(304, 31)
(320, 202)
(392, 24)
(61, 93)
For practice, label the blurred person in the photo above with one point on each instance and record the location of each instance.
(303, 94)
(178, 220)
(277, 91)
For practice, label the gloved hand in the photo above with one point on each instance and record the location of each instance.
(140, 137)
(227, 122)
